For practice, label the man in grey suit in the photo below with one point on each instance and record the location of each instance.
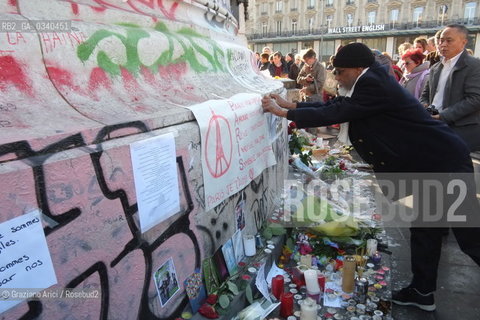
(454, 86)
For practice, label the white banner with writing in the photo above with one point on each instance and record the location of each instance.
(235, 144)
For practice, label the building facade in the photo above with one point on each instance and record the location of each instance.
(292, 25)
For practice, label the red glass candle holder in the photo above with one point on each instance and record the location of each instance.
(321, 281)
(298, 277)
(286, 306)
(277, 286)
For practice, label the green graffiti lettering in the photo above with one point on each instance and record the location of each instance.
(185, 37)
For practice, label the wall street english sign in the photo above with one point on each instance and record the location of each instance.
(373, 27)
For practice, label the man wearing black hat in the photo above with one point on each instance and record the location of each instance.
(393, 132)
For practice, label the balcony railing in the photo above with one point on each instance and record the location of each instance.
(293, 9)
(329, 5)
(350, 3)
(372, 1)
(310, 7)
(434, 24)
(264, 13)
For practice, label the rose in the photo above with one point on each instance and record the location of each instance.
(208, 311)
(212, 299)
(291, 126)
(305, 249)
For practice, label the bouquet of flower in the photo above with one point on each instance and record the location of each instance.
(297, 143)
(334, 169)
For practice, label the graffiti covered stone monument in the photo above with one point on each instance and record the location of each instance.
(80, 82)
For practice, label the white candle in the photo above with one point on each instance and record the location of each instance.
(309, 310)
(249, 245)
(312, 282)
(306, 260)
(371, 247)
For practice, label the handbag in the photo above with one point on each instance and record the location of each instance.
(317, 96)
(330, 86)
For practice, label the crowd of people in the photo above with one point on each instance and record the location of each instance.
(432, 110)
(421, 70)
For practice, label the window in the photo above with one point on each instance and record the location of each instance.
(442, 13)
(329, 3)
(307, 44)
(264, 28)
(349, 19)
(371, 17)
(469, 12)
(327, 48)
(294, 26)
(310, 25)
(417, 15)
(376, 43)
(279, 27)
(293, 5)
(284, 48)
(311, 4)
(394, 15)
(329, 20)
(264, 8)
(279, 6)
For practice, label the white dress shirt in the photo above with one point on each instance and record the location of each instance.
(343, 134)
(444, 74)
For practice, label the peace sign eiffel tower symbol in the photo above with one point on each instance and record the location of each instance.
(222, 163)
(220, 155)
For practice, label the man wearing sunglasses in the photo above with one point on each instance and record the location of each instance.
(394, 133)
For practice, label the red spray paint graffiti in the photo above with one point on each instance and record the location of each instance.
(129, 82)
(148, 76)
(76, 11)
(11, 72)
(15, 38)
(173, 71)
(99, 78)
(74, 8)
(169, 13)
(60, 77)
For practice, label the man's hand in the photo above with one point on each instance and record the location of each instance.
(436, 116)
(270, 105)
(282, 102)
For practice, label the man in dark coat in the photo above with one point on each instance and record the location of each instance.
(454, 86)
(393, 132)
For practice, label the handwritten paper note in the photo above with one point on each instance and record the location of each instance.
(241, 64)
(274, 271)
(235, 144)
(261, 283)
(25, 261)
(156, 179)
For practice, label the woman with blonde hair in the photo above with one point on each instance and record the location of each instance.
(401, 50)
(404, 47)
